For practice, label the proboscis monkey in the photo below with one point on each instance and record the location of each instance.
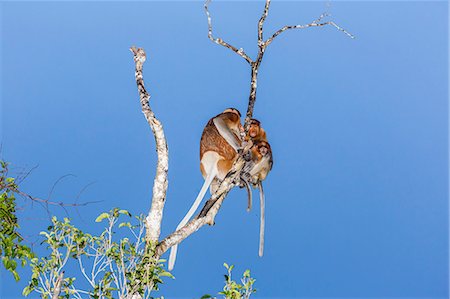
(219, 146)
(259, 163)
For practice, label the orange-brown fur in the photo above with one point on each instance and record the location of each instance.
(255, 131)
(216, 159)
(211, 140)
(259, 150)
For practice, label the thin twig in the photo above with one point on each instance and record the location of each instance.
(220, 41)
(315, 23)
(261, 23)
(56, 183)
(55, 203)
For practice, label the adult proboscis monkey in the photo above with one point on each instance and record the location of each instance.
(219, 145)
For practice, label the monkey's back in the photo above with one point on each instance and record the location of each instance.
(211, 140)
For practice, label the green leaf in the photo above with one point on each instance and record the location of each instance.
(27, 290)
(127, 224)
(16, 275)
(124, 212)
(166, 274)
(101, 217)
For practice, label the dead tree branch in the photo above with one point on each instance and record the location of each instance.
(220, 41)
(316, 23)
(13, 187)
(160, 183)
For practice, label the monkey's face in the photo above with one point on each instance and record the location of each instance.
(264, 148)
(254, 129)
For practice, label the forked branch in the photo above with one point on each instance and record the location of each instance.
(220, 41)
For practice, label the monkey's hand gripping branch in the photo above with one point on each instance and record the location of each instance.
(154, 218)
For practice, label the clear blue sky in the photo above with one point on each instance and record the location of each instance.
(357, 201)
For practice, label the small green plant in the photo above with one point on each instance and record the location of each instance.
(12, 249)
(233, 289)
(114, 267)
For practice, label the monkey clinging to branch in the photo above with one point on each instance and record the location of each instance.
(255, 133)
(219, 146)
(256, 169)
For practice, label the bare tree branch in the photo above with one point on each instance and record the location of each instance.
(154, 218)
(45, 203)
(261, 22)
(315, 23)
(220, 41)
(55, 203)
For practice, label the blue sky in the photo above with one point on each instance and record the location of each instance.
(357, 201)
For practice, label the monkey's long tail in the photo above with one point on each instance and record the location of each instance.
(249, 195)
(173, 251)
(262, 221)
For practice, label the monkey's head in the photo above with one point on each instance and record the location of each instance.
(255, 128)
(263, 148)
(232, 110)
(233, 120)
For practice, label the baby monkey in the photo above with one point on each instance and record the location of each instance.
(255, 131)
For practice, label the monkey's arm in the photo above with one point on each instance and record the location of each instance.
(259, 166)
(226, 133)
